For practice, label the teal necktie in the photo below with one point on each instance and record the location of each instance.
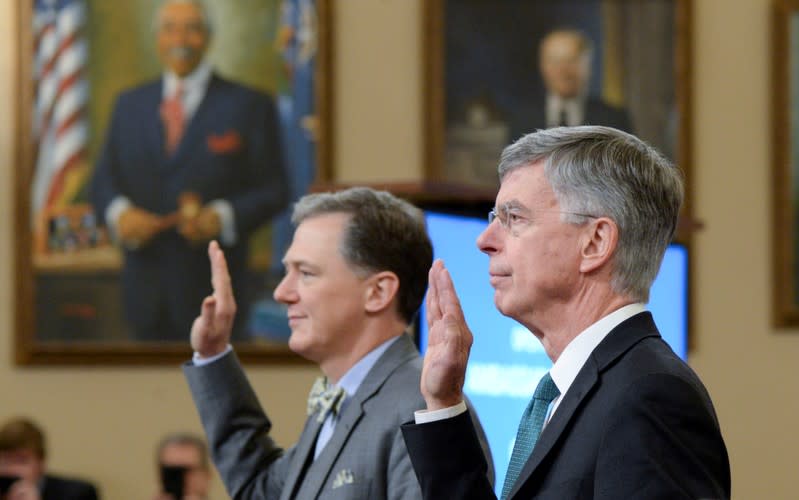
(529, 429)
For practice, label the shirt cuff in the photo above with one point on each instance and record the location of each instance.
(114, 210)
(198, 360)
(427, 416)
(118, 205)
(224, 209)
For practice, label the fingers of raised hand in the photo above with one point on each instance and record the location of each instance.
(448, 298)
(445, 361)
(223, 290)
(432, 306)
(220, 275)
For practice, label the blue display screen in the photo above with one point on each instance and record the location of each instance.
(506, 360)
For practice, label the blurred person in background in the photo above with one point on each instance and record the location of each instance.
(183, 466)
(23, 464)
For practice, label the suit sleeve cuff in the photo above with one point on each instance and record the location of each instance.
(427, 416)
(118, 205)
(227, 220)
(198, 360)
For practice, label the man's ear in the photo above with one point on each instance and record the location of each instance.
(381, 290)
(601, 238)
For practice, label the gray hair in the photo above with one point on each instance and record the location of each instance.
(205, 13)
(602, 171)
(184, 439)
(384, 233)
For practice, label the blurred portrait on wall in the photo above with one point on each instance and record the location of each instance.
(158, 126)
(513, 67)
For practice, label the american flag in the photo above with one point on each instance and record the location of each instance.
(60, 124)
(297, 41)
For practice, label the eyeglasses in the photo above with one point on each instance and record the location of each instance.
(510, 218)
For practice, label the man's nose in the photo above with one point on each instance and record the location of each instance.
(489, 240)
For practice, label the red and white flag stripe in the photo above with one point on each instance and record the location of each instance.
(60, 123)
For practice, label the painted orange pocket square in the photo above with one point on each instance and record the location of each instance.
(228, 142)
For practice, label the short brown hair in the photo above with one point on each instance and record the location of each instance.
(384, 233)
(22, 434)
(184, 439)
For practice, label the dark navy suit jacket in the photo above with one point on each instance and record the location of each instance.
(636, 423)
(230, 150)
(530, 116)
(61, 488)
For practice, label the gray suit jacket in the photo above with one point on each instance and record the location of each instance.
(365, 458)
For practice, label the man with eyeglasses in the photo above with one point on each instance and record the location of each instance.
(582, 220)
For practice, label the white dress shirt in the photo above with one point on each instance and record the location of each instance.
(574, 356)
(565, 369)
(573, 107)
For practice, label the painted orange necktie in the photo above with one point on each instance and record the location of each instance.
(174, 119)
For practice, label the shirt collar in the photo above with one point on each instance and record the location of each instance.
(355, 375)
(573, 107)
(574, 356)
(556, 102)
(195, 81)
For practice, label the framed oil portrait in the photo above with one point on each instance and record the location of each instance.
(497, 70)
(113, 177)
(785, 137)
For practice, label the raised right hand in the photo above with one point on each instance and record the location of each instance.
(449, 341)
(210, 333)
(136, 226)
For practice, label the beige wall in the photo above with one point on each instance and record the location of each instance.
(103, 421)
(748, 366)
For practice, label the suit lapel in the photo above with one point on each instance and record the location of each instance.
(303, 454)
(398, 353)
(155, 134)
(615, 344)
(319, 471)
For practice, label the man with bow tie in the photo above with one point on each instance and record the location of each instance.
(188, 158)
(356, 274)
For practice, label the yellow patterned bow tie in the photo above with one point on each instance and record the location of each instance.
(325, 399)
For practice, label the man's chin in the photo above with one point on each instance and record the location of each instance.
(182, 68)
(501, 304)
(297, 346)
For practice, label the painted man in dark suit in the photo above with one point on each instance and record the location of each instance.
(582, 220)
(565, 64)
(356, 273)
(23, 455)
(188, 158)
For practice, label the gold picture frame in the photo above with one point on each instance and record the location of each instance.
(47, 282)
(480, 78)
(785, 168)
